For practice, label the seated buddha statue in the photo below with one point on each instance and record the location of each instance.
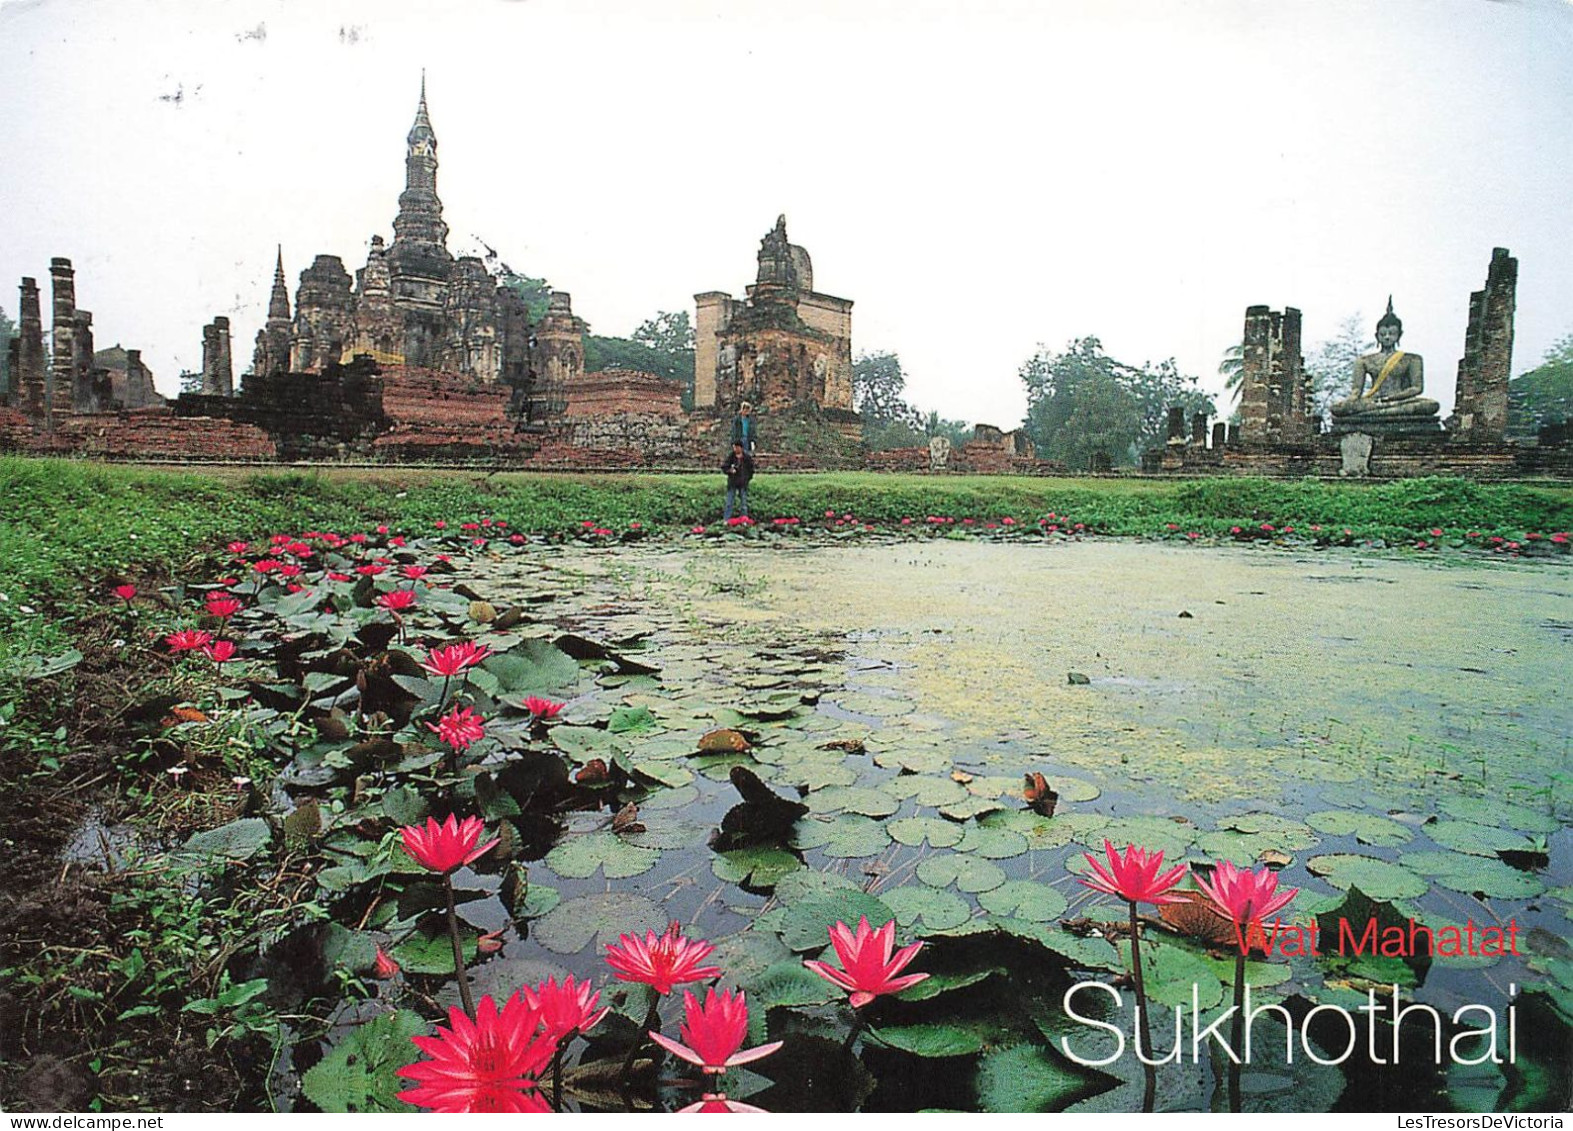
(1394, 400)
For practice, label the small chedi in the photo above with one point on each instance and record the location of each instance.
(1386, 427)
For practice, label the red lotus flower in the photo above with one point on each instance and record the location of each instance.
(1133, 877)
(440, 524)
(565, 1009)
(125, 592)
(1243, 895)
(384, 966)
(222, 605)
(542, 708)
(238, 547)
(868, 969)
(459, 728)
(397, 601)
(697, 530)
(188, 640)
(290, 569)
(712, 1103)
(489, 1064)
(713, 1032)
(455, 658)
(415, 572)
(662, 961)
(516, 539)
(227, 582)
(371, 569)
(446, 847)
(335, 575)
(220, 651)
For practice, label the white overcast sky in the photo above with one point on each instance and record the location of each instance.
(977, 177)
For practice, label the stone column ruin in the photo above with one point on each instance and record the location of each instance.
(63, 340)
(218, 379)
(1480, 397)
(1273, 400)
(30, 373)
(1199, 429)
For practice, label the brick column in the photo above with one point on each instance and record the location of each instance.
(58, 390)
(30, 374)
(1480, 396)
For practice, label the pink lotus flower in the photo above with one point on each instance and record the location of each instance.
(565, 1009)
(1133, 877)
(335, 575)
(222, 605)
(697, 530)
(713, 1032)
(290, 569)
(489, 1064)
(1245, 896)
(440, 525)
(220, 651)
(516, 539)
(662, 961)
(384, 966)
(542, 708)
(188, 640)
(459, 728)
(455, 658)
(712, 1103)
(125, 592)
(868, 967)
(446, 847)
(238, 547)
(370, 569)
(415, 572)
(397, 601)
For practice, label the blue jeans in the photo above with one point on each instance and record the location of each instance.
(740, 494)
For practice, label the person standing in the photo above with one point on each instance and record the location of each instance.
(743, 427)
(739, 469)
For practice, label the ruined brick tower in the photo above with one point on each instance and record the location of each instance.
(419, 262)
(785, 347)
(558, 357)
(1274, 387)
(218, 377)
(1480, 397)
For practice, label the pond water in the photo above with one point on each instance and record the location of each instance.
(1396, 725)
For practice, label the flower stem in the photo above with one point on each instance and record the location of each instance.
(557, 1078)
(459, 971)
(1236, 1028)
(1141, 989)
(652, 1019)
(858, 1025)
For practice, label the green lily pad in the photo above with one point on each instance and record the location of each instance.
(1040, 831)
(818, 774)
(1152, 833)
(914, 759)
(807, 924)
(1476, 840)
(939, 909)
(1083, 953)
(936, 1039)
(749, 953)
(971, 874)
(632, 720)
(1024, 1078)
(530, 667)
(877, 706)
(358, 1073)
(238, 840)
(1173, 974)
(807, 884)
(993, 843)
(1024, 899)
(1367, 828)
(431, 954)
(758, 867)
(604, 916)
(790, 983)
(935, 831)
(1500, 814)
(1292, 835)
(944, 982)
(852, 799)
(578, 857)
(971, 807)
(1475, 875)
(926, 790)
(1379, 879)
(847, 836)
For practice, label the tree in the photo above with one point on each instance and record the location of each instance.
(7, 332)
(1232, 369)
(1082, 403)
(956, 431)
(663, 345)
(877, 387)
(1544, 395)
(1331, 363)
(668, 331)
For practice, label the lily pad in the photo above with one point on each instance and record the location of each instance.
(970, 874)
(238, 840)
(602, 917)
(1475, 875)
(936, 1039)
(578, 857)
(933, 831)
(993, 843)
(939, 909)
(852, 799)
(1024, 1078)
(807, 924)
(790, 983)
(1025, 899)
(1499, 813)
(1152, 833)
(759, 866)
(847, 836)
(1379, 879)
(358, 1073)
(926, 790)
(1367, 828)
(1476, 840)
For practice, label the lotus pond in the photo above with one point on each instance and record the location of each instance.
(759, 740)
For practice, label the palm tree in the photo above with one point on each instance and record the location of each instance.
(1232, 369)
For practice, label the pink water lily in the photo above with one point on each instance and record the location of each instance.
(1133, 876)
(868, 967)
(713, 1032)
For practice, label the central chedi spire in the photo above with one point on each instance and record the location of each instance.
(419, 261)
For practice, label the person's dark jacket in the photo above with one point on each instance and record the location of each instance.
(739, 469)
